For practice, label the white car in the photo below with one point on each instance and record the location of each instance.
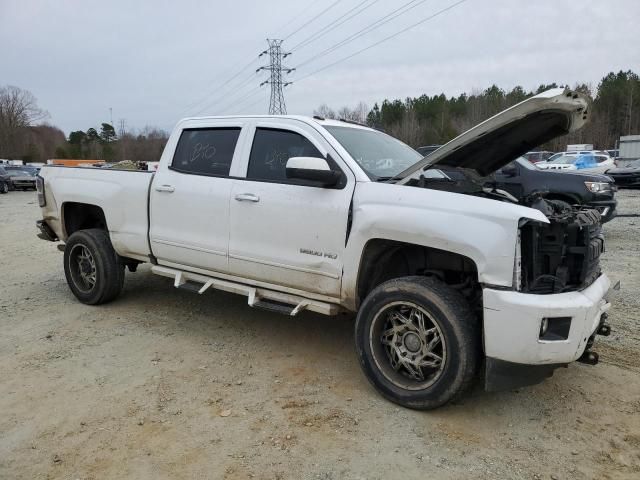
(587, 162)
(448, 279)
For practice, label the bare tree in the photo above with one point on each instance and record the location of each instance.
(324, 111)
(18, 111)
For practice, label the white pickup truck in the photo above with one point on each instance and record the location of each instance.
(449, 278)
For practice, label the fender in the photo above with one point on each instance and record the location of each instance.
(481, 229)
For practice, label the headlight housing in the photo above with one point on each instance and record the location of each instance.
(598, 187)
(517, 264)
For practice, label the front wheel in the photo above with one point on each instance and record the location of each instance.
(4, 188)
(94, 271)
(418, 342)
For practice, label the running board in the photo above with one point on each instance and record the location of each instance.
(280, 302)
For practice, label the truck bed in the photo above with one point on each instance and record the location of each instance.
(123, 196)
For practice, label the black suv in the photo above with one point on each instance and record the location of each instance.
(520, 178)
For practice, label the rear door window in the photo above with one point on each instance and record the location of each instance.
(206, 151)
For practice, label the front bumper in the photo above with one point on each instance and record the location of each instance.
(512, 322)
(607, 208)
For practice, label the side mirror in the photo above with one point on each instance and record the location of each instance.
(312, 169)
(509, 170)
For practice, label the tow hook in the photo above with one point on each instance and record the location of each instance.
(589, 357)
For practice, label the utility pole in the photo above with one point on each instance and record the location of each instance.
(277, 105)
(121, 133)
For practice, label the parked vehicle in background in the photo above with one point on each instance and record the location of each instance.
(22, 179)
(577, 147)
(625, 177)
(427, 149)
(24, 168)
(629, 151)
(521, 179)
(299, 213)
(589, 162)
(5, 181)
(613, 153)
(539, 156)
(582, 152)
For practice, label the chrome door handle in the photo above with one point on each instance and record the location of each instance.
(247, 197)
(165, 188)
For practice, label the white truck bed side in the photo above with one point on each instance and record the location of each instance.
(121, 194)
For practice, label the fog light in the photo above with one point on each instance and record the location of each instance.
(544, 326)
(555, 328)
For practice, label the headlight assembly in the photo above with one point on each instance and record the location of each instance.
(598, 187)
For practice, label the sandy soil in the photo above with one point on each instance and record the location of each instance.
(168, 384)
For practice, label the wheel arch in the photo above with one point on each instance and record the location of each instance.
(384, 259)
(565, 197)
(81, 216)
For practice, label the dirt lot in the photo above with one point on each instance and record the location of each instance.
(168, 384)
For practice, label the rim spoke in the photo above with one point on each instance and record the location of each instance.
(434, 342)
(394, 359)
(404, 321)
(413, 370)
(430, 360)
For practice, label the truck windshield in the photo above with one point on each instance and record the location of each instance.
(380, 155)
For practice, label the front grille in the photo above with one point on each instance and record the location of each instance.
(563, 255)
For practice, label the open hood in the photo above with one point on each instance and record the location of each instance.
(497, 141)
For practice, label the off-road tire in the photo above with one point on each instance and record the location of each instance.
(457, 324)
(109, 269)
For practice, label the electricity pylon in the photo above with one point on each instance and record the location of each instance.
(277, 105)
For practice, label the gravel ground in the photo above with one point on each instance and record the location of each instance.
(164, 383)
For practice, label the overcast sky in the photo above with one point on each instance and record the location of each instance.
(154, 62)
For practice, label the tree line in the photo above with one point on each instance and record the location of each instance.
(25, 135)
(428, 120)
(423, 120)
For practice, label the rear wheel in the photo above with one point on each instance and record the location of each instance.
(418, 342)
(94, 271)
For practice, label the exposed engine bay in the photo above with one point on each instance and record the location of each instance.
(561, 256)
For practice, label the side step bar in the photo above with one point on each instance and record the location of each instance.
(280, 302)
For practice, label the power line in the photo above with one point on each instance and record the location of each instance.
(233, 96)
(251, 93)
(237, 107)
(334, 24)
(439, 12)
(246, 107)
(219, 87)
(294, 18)
(369, 28)
(312, 19)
